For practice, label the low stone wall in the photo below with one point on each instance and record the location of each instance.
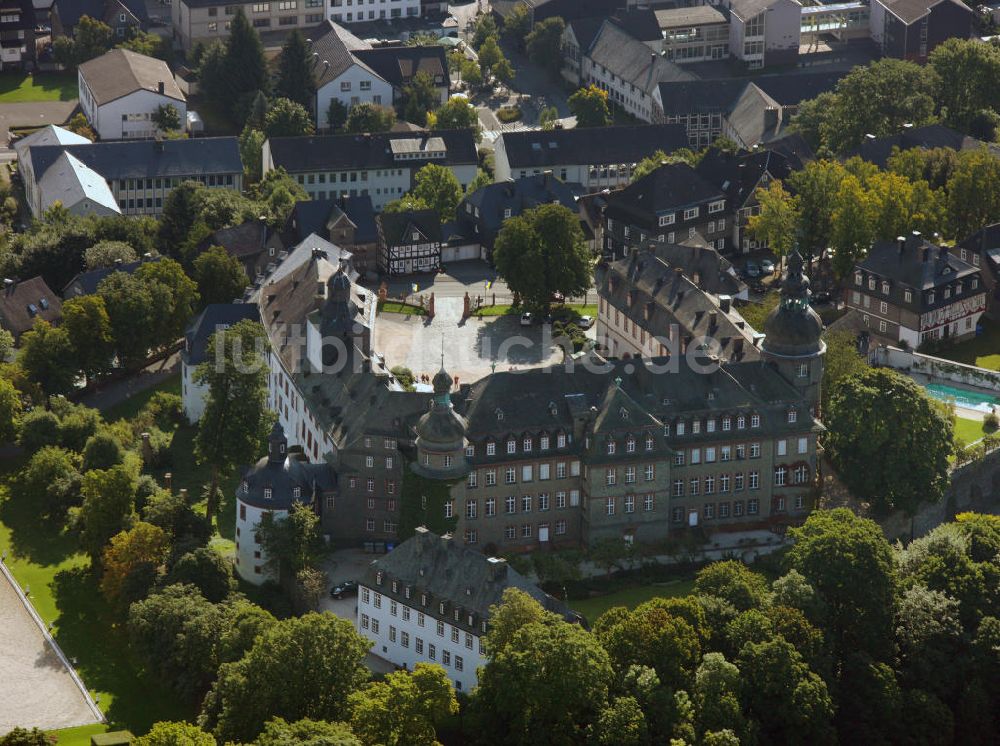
(935, 367)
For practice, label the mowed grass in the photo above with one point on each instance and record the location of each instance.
(19, 88)
(631, 597)
(982, 351)
(968, 430)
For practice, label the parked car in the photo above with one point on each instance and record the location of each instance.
(347, 588)
(751, 268)
(767, 266)
(585, 322)
(527, 319)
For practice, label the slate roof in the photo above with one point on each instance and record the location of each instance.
(394, 227)
(631, 60)
(67, 179)
(334, 44)
(878, 150)
(271, 482)
(739, 174)
(128, 159)
(23, 302)
(703, 265)
(71, 11)
(446, 570)
(85, 283)
(639, 24)
(367, 151)
(585, 30)
(669, 187)
(215, 316)
(747, 9)
(48, 135)
(246, 239)
(699, 96)
(908, 267)
(312, 216)
(397, 65)
(656, 296)
(517, 196)
(911, 11)
(585, 145)
(790, 89)
(986, 243)
(120, 72)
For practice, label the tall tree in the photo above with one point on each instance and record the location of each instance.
(367, 117)
(457, 114)
(590, 106)
(438, 187)
(735, 583)
(10, 410)
(235, 421)
(220, 277)
(336, 114)
(245, 68)
(542, 252)
(86, 321)
(286, 118)
(420, 97)
(889, 441)
(142, 547)
(966, 68)
(108, 253)
(166, 118)
(108, 508)
(306, 732)
(51, 481)
(291, 543)
(137, 311)
(295, 71)
(814, 187)
(973, 193)
(544, 44)
(251, 153)
(777, 220)
(183, 294)
(517, 24)
(206, 570)
(175, 734)
(405, 708)
(852, 222)
(849, 562)
(47, 357)
(299, 667)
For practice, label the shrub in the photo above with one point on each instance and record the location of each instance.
(76, 427)
(159, 456)
(39, 428)
(508, 114)
(166, 409)
(102, 451)
(991, 422)
(404, 375)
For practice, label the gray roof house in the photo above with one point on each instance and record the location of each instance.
(22, 303)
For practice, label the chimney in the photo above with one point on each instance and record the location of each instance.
(161, 87)
(184, 495)
(546, 177)
(497, 569)
(725, 302)
(927, 253)
(168, 480)
(901, 243)
(713, 321)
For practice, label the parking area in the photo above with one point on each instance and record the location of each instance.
(36, 688)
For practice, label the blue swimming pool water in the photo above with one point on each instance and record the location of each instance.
(963, 397)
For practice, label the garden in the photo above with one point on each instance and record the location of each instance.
(19, 88)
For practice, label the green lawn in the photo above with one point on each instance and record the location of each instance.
(983, 351)
(392, 306)
(592, 608)
(573, 309)
(21, 88)
(968, 430)
(133, 405)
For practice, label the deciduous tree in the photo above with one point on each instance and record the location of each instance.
(777, 222)
(175, 734)
(108, 507)
(439, 189)
(47, 357)
(367, 117)
(166, 118)
(88, 326)
(973, 193)
(457, 114)
(590, 106)
(306, 732)
(291, 543)
(419, 98)
(220, 277)
(286, 118)
(51, 482)
(405, 708)
(544, 44)
(144, 546)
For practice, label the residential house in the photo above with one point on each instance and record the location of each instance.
(763, 33)
(399, 64)
(208, 20)
(911, 29)
(120, 92)
(628, 70)
(68, 181)
(253, 242)
(17, 35)
(697, 106)
(649, 307)
(408, 241)
(87, 282)
(671, 204)
(348, 222)
(125, 17)
(596, 158)
(215, 317)
(380, 165)
(576, 40)
(481, 215)
(740, 175)
(138, 173)
(24, 302)
(982, 250)
(694, 34)
(912, 291)
(341, 11)
(340, 75)
(429, 601)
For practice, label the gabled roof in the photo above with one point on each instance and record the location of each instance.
(313, 216)
(48, 135)
(398, 64)
(23, 11)
(23, 302)
(699, 96)
(71, 11)
(631, 60)
(986, 243)
(395, 227)
(215, 316)
(70, 181)
(669, 187)
(334, 47)
(131, 159)
(619, 411)
(703, 265)
(585, 145)
(909, 267)
(747, 9)
(739, 174)
(85, 283)
(911, 11)
(121, 71)
(246, 239)
(518, 195)
(585, 29)
(367, 151)
(639, 24)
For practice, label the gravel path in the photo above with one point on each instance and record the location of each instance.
(36, 689)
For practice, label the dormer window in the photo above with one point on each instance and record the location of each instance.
(511, 446)
(543, 443)
(267, 493)
(406, 591)
(499, 414)
(245, 487)
(630, 445)
(491, 449)
(681, 427)
(378, 577)
(667, 219)
(423, 599)
(885, 288)
(281, 447)
(857, 278)
(456, 615)
(930, 297)
(908, 296)
(296, 492)
(527, 445)
(649, 443)
(395, 586)
(441, 608)
(611, 447)
(975, 282)
(560, 441)
(793, 416)
(755, 420)
(695, 427)
(871, 283)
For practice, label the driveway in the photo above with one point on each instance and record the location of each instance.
(38, 113)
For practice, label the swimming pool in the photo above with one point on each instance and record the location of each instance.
(963, 397)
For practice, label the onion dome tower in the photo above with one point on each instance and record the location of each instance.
(441, 434)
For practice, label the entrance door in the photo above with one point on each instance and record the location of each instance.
(543, 533)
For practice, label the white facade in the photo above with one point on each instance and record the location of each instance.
(627, 95)
(593, 176)
(147, 196)
(193, 394)
(406, 635)
(349, 11)
(128, 117)
(356, 85)
(250, 557)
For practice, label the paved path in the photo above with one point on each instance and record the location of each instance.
(116, 392)
(36, 688)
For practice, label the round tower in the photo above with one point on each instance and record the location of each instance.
(441, 434)
(793, 343)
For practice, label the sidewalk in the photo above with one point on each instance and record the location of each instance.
(114, 393)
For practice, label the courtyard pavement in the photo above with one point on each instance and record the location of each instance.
(36, 687)
(472, 347)
(38, 113)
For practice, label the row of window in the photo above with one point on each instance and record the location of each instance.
(527, 442)
(527, 531)
(169, 183)
(885, 286)
(528, 473)
(722, 483)
(369, 623)
(375, 598)
(611, 474)
(542, 502)
(393, 13)
(345, 176)
(628, 504)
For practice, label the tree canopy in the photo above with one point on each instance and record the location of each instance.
(590, 107)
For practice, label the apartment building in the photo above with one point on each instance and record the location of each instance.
(358, 11)
(911, 29)
(17, 34)
(379, 165)
(207, 20)
(694, 34)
